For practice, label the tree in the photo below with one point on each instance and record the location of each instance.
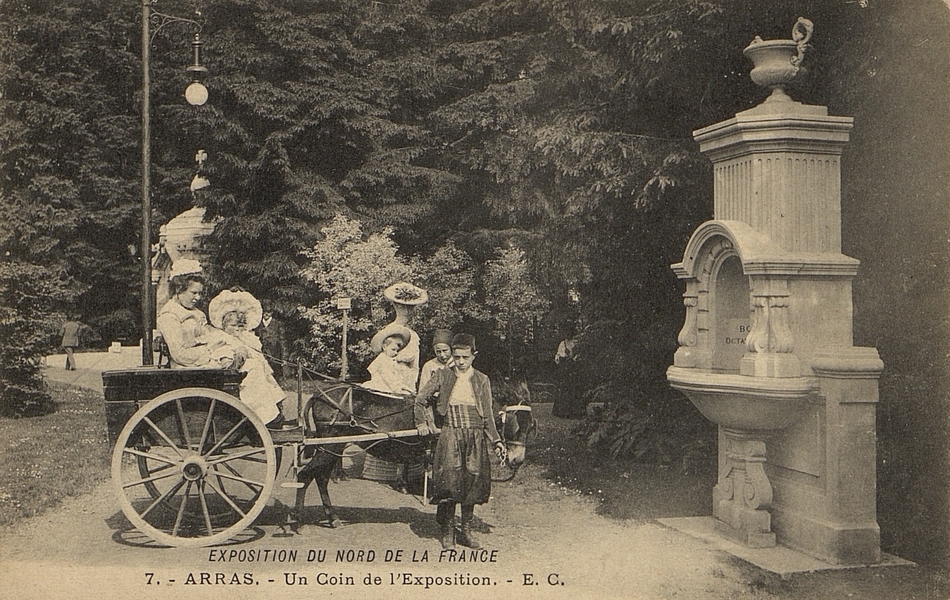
(65, 219)
(457, 127)
(28, 296)
(347, 264)
(514, 303)
(68, 146)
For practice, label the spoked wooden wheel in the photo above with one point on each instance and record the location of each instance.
(193, 467)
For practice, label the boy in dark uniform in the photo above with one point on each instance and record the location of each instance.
(461, 472)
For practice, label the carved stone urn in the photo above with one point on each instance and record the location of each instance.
(779, 62)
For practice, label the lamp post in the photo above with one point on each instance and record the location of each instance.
(196, 94)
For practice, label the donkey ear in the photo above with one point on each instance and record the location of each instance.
(524, 392)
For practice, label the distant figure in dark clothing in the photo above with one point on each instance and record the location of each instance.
(274, 343)
(569, 403)
(70, 334)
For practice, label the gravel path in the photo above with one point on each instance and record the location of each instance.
(534, 534)
(542, 541)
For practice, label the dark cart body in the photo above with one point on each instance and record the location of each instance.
(128, 390)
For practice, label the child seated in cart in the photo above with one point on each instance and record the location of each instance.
(192, 343)
(386, 373)
(391, 376)
(232, 314)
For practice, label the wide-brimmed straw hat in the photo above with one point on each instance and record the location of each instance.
(376, 344)
(242, 302)
(406, 293)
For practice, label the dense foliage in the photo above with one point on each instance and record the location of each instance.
(531, 161)
(346, 263)
(535, 148)
(28, 296)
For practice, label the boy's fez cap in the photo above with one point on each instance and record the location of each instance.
(464, 340)
(442, 336)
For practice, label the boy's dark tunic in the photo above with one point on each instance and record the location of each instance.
(461, 466)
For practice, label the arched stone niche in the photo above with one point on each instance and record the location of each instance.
(769, 277)
(729, 311)
(718, 296)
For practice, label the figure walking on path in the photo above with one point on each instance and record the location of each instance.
(70, 341)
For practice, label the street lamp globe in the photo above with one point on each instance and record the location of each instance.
(196, 94)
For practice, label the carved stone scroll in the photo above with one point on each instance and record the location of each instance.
(769, 331)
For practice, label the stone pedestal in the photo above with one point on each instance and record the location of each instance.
(777, 168)
(743, 495)
(177, 239)
(823, 469)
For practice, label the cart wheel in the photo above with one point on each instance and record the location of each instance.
(149, 466)
(193, 467)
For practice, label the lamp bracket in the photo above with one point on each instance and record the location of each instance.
(159, 20)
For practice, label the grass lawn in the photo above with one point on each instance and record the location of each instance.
(46, 459)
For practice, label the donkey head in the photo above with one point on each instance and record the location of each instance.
(515, 425)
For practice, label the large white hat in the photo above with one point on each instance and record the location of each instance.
(406, 293)
(184, 266)
(242, 302)
(376, 344)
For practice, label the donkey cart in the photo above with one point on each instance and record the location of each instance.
(193, 466)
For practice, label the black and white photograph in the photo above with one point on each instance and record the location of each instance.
(437, 299)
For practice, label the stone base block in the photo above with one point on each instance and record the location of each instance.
(834, 543)
(749, 539)
(780, 560)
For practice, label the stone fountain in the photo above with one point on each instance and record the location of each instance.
(766, 351)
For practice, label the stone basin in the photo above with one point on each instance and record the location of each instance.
(743, 402)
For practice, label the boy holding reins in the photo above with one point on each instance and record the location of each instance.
(461, 473)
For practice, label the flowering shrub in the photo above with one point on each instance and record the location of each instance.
(346, 263)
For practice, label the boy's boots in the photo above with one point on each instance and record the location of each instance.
(445, 515)
(465, 536)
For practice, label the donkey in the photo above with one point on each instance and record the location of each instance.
(359, 411)
(344, 410)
